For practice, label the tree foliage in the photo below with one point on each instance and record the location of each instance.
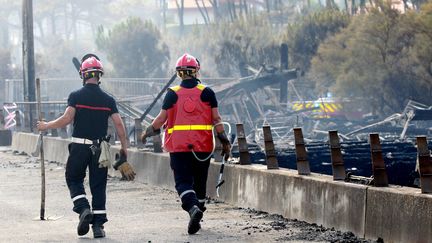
(134, 47)
(250, 41)
(383, 56)
(225, 48)
(305, 36)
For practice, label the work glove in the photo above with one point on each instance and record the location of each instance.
(226, 145)
(123, 166)
(149, 132)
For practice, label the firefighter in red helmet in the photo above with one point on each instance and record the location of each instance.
(189, 112)
(89, 108)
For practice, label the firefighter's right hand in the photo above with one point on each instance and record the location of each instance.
(123, 166)
(226, 145)
(42, 125)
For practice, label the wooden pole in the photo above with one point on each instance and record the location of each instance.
(28, 55)
(42, 158)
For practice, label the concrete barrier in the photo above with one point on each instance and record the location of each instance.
(396, 214)
(55, 149)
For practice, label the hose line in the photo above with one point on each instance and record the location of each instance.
(214, 141)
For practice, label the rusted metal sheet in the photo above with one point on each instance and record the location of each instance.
(336, 156)
(242, 145)
(253, 83)
(303, 166)
(425, 165)
(378, 166)
(272, 162)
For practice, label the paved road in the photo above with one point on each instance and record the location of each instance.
(137, 213)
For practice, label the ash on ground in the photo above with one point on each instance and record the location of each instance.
(299, 230)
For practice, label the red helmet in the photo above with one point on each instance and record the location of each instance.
(89, 67)
(187, 62)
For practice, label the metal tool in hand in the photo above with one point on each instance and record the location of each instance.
(220, 181)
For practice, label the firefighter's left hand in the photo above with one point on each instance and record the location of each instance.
(127, 172)
(226, 151)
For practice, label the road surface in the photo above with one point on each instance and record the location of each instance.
(137, 212)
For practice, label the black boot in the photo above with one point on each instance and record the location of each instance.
(195, 217)
(98, 231)
(86, 216)
(202, 207)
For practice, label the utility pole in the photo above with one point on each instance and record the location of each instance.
(164, 6)
(283, 97)
(28, 55)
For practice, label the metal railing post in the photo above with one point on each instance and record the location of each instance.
(336, 156)
(242, 145)
(303, 166)
(378, 165)
(18, 120)
(271, 159)
(424, 164)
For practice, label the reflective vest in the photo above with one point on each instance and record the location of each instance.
(189, 123)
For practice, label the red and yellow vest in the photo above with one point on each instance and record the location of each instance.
(189, 124)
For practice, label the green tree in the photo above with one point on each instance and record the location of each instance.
(383, 57)
(135, 49)
(249, 41)
(305, 36)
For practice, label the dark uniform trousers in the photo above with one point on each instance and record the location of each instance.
(190, 177)
(80, 156)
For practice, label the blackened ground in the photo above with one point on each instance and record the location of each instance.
(399, 158)
(295, 230)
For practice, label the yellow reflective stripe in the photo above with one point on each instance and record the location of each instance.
(329, 108)
(175, 88)
(201, 87)
(297, 107)
(190, 128)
